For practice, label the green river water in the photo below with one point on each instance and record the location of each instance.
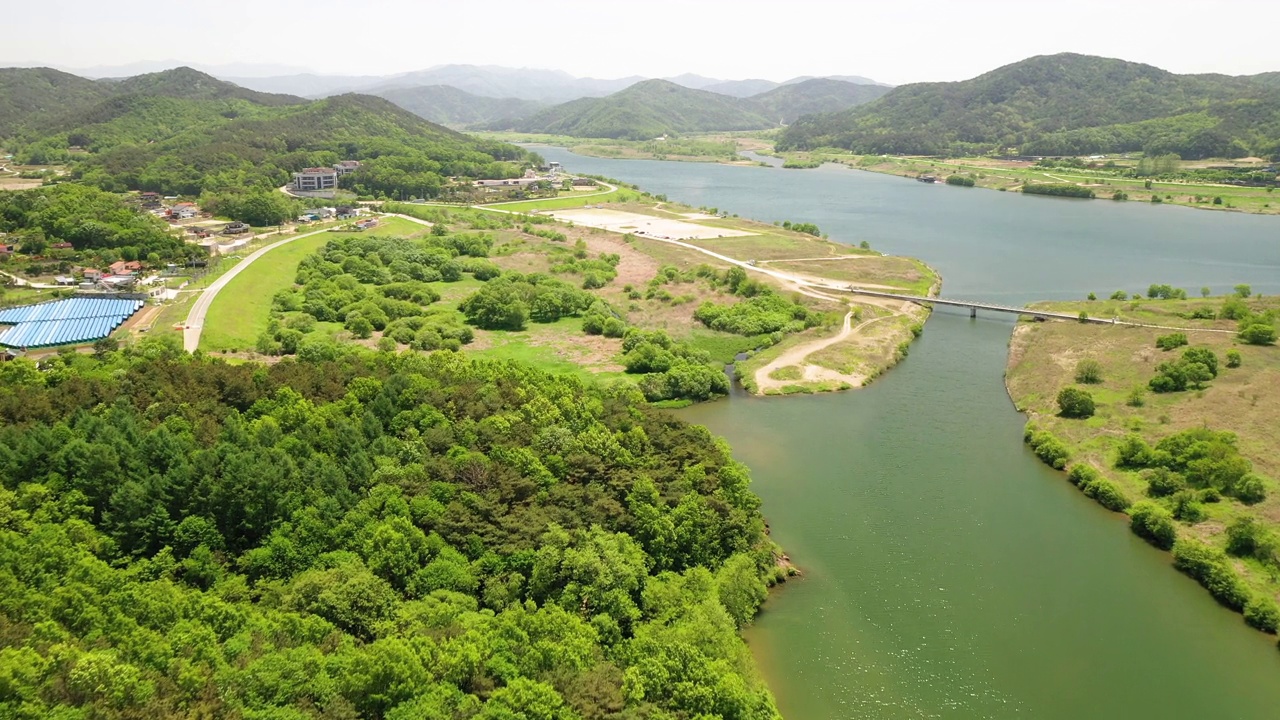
(947, 572)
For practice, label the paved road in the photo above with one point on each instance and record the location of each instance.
(195, 319)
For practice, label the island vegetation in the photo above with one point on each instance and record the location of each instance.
(1178, 429)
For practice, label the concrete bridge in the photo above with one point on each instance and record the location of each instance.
(974, 306)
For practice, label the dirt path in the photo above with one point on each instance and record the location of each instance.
(797, 355)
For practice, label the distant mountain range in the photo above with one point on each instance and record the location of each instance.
(544, 86)
(1063, 104)
(655, 108)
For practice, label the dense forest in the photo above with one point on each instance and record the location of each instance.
(1059, 104)
(368, 536)
(90, 219)
(215, 137)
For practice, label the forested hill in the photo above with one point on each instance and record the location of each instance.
(182, 132)
(368, 535)
(33, 99)
(1056, 104)
(786, 103)
(457, 108)
(644, 111)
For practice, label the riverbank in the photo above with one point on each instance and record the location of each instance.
(1016, 175)
(722, 148)
(1160, 456)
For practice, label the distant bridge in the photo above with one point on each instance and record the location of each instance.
(975, 306)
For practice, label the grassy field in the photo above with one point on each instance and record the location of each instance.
(618, 194)
(240, 312)
(1243, 400)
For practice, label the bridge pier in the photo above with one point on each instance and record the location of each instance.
(973, 311)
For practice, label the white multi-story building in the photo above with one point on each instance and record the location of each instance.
(313, 179)
(347, 166)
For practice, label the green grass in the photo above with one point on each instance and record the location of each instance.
(570, 201)
(240, 312)
(23, 295)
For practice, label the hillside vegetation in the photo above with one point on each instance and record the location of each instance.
(182, 132)
(644, 111)
(1058, 103)
(450, 106)
(366, 535)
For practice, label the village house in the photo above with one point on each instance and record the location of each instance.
(89, 274)
(183, 211)
(125, 267)
(347, 212)
(315, 179)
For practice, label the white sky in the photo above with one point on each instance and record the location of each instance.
(894, 41)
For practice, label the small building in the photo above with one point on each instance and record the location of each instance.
(6, 250)
(315, 179)
(235, 228)
(320, 213)
(62, 246)
(89, 274)
(149, 199)
(347, 212)
(583, 182)
(927, 179)
(554, 167)
(346, 167)
(125, 267)
(183, 211)
(64, 280)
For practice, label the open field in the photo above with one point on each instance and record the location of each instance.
(881, 271)
(633, 223)
(1243, 400)
(574, 199)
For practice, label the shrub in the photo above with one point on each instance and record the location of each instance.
(1262, 613)
(1209, 567)
(961, 180)
(1137, 397)
(1162, 482)
(1258, 334)
(1244, 535)
(1089, 371)
(1154, 524)
(1107, 494)
(1250, 490)
(1234, 359)
(1058, 190)
(1187, 508)
(1082, 475)
(1119, 295)
(1171, 341)
(1075, 403)
(1048, 448)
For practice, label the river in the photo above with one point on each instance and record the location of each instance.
(948, 573)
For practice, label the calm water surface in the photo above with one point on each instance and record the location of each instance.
(948, 573)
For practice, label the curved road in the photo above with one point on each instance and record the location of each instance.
(195, 319)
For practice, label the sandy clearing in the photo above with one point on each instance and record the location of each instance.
(813, 373)
(645, 225)
(634, 267)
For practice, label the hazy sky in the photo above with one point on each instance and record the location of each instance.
(894, 41)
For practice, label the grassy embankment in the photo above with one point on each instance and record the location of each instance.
(240, 312)
(1244, 400)
(721, 147)
(1011, 176)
